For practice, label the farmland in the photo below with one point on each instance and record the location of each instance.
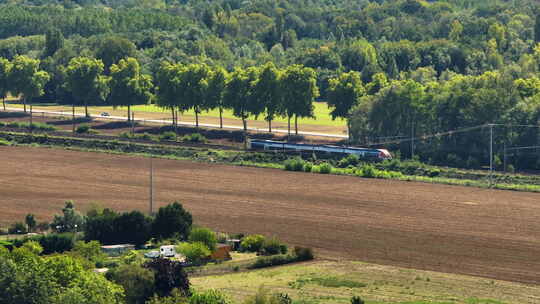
(434, 227)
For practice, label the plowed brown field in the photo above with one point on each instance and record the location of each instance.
(436, 227)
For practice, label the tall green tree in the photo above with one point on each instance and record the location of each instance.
(216, 89)
(27, 79)
(85, 80)
(128, 86)
(70, 220)
(5, 69)
(168, 82)
(344, 92)
(30, 221)
(114, 48)
(299, 92)
(194, 87)
(267, 92)
(54, 40)
(239, 94)
(172, 220)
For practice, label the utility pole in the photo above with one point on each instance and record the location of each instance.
(151, 185)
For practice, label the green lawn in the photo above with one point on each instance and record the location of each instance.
(321, 111)
(336, 282)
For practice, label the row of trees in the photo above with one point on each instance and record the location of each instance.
(254, 91)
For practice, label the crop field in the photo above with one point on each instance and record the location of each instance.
(453, 229)
(322, 122)
(327, 281)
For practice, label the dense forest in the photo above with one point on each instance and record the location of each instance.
(425, 67)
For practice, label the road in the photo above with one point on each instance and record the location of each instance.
(184, 123)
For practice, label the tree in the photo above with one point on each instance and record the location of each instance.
(85, 81)
(238, 94)
(195, 253)
(28, 278)
(267, 92)
(26, 79)
(128, 222)
(169, 275)
(344, 93)
(54, 40)
(30, 222)
(194, 87)
(90, 251)
(299, 87)
(537, 29)
(114, 48)
(205, 236)
(168, 88)
(172, 220)
(128, 86)
(5, 69)
(69, 221)
(138, 282)
(216, 88)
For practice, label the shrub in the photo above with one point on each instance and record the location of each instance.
(511, 169)
(172, 220)
(205, 236)
(17, 228)
(138, 282)
(195, 253)
(349, 160)
(90, 251)
(51, 243)
(83, 128)
(209, 297)
(169, 135)
(294, 164)
(326, 168)
(252, 243)
(316, 169)
(33, 246)
(367, 171)
(308, 166)
(273, 260)
(303, 253)
(4, 142)
(273, 246)
(195, 138)
(356, 300)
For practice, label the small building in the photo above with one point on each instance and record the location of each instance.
(116, 250)
(167, 251)
(234, 243)
(222, 253)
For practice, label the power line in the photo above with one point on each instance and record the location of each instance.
(428, 136)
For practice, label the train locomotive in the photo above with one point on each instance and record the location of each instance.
(270, 145)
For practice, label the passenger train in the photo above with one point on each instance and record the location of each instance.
(270, 145)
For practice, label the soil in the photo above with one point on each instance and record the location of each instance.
(453, 229)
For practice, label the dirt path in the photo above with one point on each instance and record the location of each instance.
(435, 227)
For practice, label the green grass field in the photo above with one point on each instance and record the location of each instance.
(336, 282)
(321, 112)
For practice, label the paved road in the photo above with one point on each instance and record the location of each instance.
(185, 123)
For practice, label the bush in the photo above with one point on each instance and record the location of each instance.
(83, 128)
(172, 221)
(308, 166)
(17, 228)
(195, 138)
(325, 168)
(196, 253)
(303, 253)
(169, 135)
(367, 171)
(349, 160)
(274, 260)
(51, 243)
(138, 282)
(273, 246)
(356, 300)
(90, 251)
(33, 246)
(205, 236)
(294, 164)
(252, 243)
(316, 169)
(209, 297)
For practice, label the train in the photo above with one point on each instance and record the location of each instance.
(270, 145)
